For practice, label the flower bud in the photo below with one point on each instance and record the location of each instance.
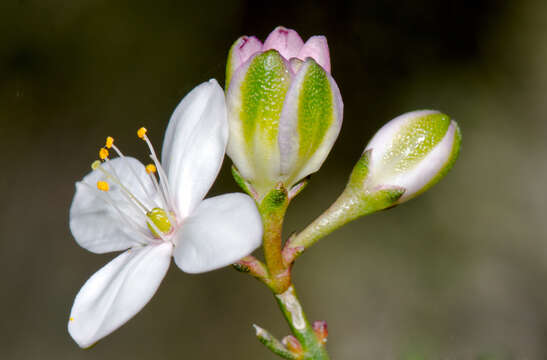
(411, 152)
(284, 108)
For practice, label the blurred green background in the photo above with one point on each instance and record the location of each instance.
(459, 273)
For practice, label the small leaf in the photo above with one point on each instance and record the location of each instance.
(273, 344)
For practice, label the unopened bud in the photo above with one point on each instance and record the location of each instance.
(411, 152)
(284, 108)
(407, 156)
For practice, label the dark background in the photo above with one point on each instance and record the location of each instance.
(458, 273)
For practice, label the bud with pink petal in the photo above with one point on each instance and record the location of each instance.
(284, 108)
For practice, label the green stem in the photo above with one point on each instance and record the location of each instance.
(314, 348)
(272, 208)
(350, 205)
(339, 213)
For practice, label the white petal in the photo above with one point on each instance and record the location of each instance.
(95, 223)
(194, 145)
(116, 292)
(222, 230)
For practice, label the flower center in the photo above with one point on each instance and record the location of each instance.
(159, 217)
(159, 220)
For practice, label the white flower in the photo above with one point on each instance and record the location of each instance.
(121, 205)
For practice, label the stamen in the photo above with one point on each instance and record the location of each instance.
(117, 150)
(117, 181)
(109, 142)
(129, 221)
(163, 176)
(103, 186)
(120, 154)
(103, 154)
(146, 219)
(150, 168)
(158, 190)
(159, 221)
(141, 132)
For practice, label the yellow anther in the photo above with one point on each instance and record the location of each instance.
(141, 132)
(103, 154)
(95, 165)
(103, 185)
(71, 319)
(109, 142)
(150, 168)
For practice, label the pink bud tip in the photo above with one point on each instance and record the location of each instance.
(245, 47)
(286, 41)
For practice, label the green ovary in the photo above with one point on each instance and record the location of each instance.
(159, 217)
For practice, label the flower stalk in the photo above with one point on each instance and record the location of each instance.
(353, 203)
(307, 342)
(272, 210)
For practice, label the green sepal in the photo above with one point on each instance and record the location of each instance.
(262, 95)
(296, 189)
(369, 200)
(312, 116)
(416, 139)
(242, 183)
(230, 65)
(273, 344)
(315, 110)
(456, 146)
(360, 171)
